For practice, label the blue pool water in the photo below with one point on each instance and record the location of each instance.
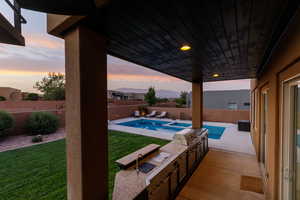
(214, 132)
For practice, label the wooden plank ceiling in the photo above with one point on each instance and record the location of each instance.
(230, 37)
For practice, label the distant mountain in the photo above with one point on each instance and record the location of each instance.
(159, 93)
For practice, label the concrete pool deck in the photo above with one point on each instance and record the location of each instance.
(231, 140)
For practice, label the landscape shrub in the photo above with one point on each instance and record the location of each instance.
(6, 122)
(2, 98)
(32, 97)
(41, 123)
(150, 96)
(37, 138)
(52, 86)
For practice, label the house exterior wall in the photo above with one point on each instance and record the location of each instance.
(11, 94)
(117, 95)
(222, 99)
(112, 102)
(138, 96)
(284, 64)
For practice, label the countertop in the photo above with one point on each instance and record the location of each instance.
(129, 183)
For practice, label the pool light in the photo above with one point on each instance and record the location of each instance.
(185, 48)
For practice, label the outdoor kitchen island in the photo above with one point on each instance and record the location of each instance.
(161, 171)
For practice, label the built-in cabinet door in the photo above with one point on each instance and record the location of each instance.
(182, 167)
(290, 141)
(161, 191)
(164, 185)
(192, 158)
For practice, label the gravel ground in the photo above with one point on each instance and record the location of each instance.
(20, 141)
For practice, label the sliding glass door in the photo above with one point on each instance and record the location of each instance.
(290, 141)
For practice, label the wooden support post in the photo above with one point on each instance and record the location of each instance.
(86, 114)
(197, 104)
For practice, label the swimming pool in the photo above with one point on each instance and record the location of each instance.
(214, 132)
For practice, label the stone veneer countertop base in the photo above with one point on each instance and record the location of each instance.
(129, 184)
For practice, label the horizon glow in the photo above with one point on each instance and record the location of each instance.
(21, 67)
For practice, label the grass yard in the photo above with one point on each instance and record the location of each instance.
(39, 172)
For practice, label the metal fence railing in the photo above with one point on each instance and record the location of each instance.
(18, 18)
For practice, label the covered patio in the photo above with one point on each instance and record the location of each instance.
(225, 175)
(196, 41)
(227, 41)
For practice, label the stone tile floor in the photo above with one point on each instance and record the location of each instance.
(218, 177)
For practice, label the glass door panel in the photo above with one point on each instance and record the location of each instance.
(290, 141)
(264, 129)
(297, 140)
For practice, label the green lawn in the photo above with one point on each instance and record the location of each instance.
(39, 172)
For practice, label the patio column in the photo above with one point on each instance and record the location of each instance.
(197, 104)
(86, 114)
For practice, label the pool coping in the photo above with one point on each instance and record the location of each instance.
(231, 139)
(113, 125)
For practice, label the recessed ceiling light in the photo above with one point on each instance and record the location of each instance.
(216, 75)
(185, 48)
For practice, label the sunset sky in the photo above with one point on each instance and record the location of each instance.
(21, 67)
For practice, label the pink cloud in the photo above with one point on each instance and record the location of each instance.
(43, 41)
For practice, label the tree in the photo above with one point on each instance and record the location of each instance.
(150, 97)
(183, 96)
(182, 99)
(162, 100)
(32, 97)
(52, 86)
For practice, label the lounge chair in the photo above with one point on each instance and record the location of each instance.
(152, 114)
(136, 113)
(162, 114)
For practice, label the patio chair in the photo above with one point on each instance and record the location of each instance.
(152, 114)
(162, 114)
(136, 113)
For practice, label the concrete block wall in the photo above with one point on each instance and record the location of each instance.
(214, 115)
(117, 112)
(22, 110)
(20, 106)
